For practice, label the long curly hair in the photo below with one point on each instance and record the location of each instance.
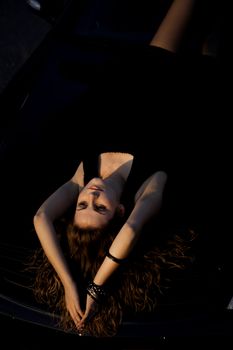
(136, 286)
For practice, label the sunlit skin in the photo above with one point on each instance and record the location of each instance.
(96, 205)
(114, 169)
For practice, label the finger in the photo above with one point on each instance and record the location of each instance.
(77, 308)
(75, 317)
(80, 312)
(85, 319)
(82, 322)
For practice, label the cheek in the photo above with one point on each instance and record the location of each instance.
(111, 200)
(75, 218)
(111, 213)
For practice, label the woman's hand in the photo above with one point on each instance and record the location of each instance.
(73, 303)
(92, 308)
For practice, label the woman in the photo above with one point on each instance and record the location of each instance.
(92, 268)
(97, 244)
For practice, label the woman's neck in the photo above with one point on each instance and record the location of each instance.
(111, 163)
(114, 169)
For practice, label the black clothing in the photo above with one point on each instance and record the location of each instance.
(155, 105)
(147, 98)
(139, 172)
(142, 168)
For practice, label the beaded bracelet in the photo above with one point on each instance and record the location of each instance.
(116, 260)
(98, 293)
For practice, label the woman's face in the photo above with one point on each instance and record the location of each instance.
(96, 205)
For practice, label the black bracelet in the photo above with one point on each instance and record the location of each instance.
(98, 293)
(116, 260)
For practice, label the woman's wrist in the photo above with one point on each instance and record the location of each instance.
(97, 292)
(67, 281)
(105, 271)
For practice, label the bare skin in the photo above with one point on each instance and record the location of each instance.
(116, 175)
(113, 171)
(100, 198)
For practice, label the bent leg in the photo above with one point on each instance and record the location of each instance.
(171, 31)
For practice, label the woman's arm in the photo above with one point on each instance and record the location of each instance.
(56, 204)
(50, 210)
(43, 221)
(148, 201)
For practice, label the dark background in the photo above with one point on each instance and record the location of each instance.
(45, 66)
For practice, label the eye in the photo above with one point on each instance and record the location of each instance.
(100, 207)
(82, 205)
